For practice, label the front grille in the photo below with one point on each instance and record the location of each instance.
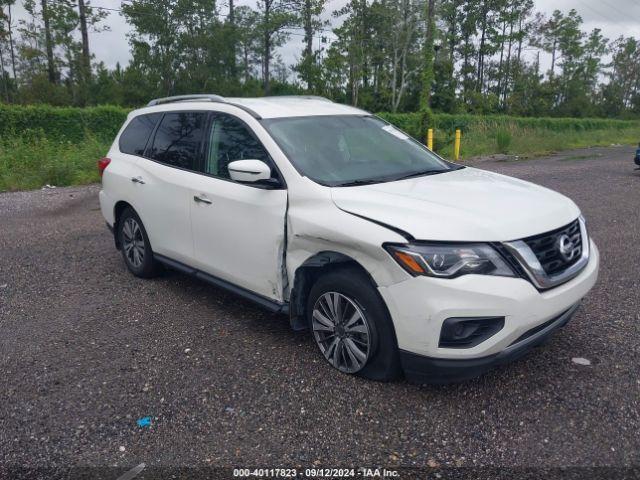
(546, 247)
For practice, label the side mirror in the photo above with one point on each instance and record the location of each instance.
(249, 171)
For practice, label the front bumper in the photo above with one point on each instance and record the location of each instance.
(420, 369)
(419, 306)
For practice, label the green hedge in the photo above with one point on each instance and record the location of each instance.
(410, 122)
(102, 123)
(61, 124)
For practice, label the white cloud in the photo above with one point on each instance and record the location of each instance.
(613, 17)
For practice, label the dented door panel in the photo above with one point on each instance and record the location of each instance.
(239, 236)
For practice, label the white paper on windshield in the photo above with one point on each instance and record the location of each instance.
(395, 132)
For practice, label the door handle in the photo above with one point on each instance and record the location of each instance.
(137, 180)
(202, 199)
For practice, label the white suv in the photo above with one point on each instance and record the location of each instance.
(397, 260)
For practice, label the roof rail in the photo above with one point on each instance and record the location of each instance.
(186, 98)
(205, 97)
(308, 97)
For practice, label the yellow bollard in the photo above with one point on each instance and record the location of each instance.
(430, 139)
(456, 150)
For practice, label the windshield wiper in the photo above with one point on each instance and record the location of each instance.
(371, 181)
(419, 174)
(356, 183)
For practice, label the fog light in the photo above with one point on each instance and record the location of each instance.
(467, 332)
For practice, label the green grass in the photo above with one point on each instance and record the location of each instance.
(532, 143)
(34, 161)
(29, 163)
(503, 140)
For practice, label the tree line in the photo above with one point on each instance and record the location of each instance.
(453, 56)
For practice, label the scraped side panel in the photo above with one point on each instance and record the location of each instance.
(239, 237)
(314, 227)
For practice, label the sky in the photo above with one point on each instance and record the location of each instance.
(613, 17)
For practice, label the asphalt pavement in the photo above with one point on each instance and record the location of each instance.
(87, 350)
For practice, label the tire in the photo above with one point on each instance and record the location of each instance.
(373, 335)
(137, 255)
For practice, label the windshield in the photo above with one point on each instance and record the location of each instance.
(348, 150)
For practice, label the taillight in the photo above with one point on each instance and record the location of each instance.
(102, 164)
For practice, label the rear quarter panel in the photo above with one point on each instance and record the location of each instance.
(116, 183)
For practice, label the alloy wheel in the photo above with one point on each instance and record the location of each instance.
(133, 242)
(341, 330)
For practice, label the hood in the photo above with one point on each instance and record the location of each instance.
(462, 205)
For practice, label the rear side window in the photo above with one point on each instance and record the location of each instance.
(134, 138)
(178, 139)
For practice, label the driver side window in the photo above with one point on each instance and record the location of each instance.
(231, 140)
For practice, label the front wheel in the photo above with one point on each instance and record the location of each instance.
(351, 326)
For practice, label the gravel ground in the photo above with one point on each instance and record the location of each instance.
(86, 349)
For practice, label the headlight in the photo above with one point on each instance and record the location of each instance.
(449, 260)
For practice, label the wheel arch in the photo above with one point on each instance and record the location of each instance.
(118, 208)
(308, 273)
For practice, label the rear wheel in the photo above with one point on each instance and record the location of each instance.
(351, 327)
(136, 249)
